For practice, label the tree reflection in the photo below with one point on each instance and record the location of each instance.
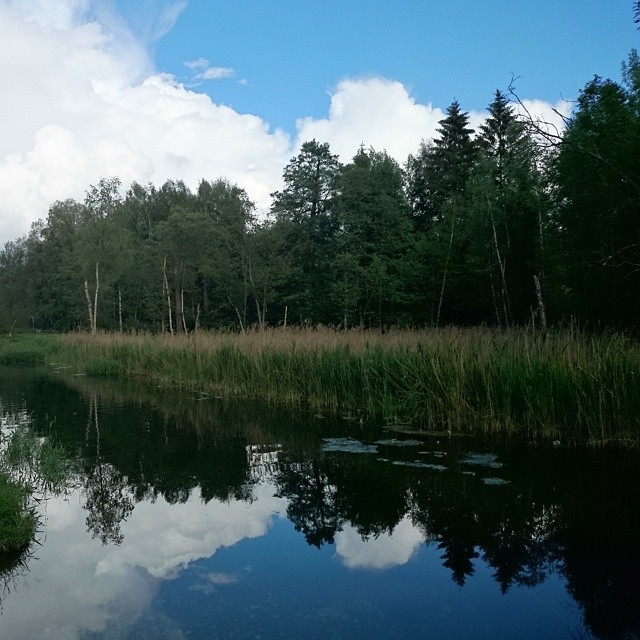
(312, 507)
(559, 512)
(108, 502)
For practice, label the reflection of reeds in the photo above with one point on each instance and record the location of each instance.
(562, 385)
(31, 467)
(17, 519)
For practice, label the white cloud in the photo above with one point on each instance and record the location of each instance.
(375, 112)
(385, 551)
(380, 113)
(550, 117)
(82, 101)
(57, 15)
(206, 72)
(77, 585)
(144, 20)
(200, 63)
(215, 73)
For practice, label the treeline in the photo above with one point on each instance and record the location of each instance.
(508, 225)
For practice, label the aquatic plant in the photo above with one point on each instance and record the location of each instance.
(562, 385)
(26, 348)
(29, 464)
(17, 518)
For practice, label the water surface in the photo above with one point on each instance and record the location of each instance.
(191, 516)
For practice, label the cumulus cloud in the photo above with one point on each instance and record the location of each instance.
(374, 112)
(550, 117)
(83, 102)
(57, 15)
(382, 552)
(380, 113)
(106, 587)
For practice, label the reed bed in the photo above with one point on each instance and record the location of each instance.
(563, 385)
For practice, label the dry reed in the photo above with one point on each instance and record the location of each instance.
(565, 385)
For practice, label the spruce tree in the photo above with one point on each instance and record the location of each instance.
(305, 208)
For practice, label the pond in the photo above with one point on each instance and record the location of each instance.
(190, 516)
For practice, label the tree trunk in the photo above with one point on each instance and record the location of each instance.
(120, 308)
(260, 310)
(541, 310)
(197, 323)
(178, 303)
(89, 307)
(502, 266)
(446, 271)
(238, 314)
(95, 303)
(92, 309)
(166, 291)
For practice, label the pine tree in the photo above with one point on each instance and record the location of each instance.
(374, 238)
(305, 206)
(505, 233)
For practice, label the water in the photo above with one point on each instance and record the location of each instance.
(193, 517)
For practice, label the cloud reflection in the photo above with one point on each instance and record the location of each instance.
(94, 584)
(381, 552)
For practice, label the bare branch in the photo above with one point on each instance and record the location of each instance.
(550, 137)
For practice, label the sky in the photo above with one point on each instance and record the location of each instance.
(151, 90)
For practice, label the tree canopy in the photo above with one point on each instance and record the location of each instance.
(486, 226)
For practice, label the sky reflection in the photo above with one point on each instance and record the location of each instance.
(94, 584)
(378, 552)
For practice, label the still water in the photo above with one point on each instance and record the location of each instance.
(190, 516)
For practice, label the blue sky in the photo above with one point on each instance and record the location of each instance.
(150, 90)
(290, 53)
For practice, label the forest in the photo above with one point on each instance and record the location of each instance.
(511, 225)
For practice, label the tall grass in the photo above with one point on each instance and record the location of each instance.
(565, 385)
(26, 349)
(17, 519)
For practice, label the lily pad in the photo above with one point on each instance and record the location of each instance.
(420, 465)
(400, 443)
(495, 481)
(482, 460)
(347, 445)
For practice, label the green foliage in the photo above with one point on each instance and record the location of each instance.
(27, 463)
(563, 385)
(26, 349)
(597, 188)
(305, 210)
(374, 236)
(17, 520)
(36, 462)
(459, 236)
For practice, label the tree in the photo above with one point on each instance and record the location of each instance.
(16, 292)
(58, 282)
(306, 203)
(596, 173)
(267, 270)
(374, 237)
(505, 238)
(184, 241)
(221, 277)
(102, 245)
(310, 184)
(437, 179)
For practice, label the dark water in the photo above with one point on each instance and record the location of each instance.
(194, 517)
